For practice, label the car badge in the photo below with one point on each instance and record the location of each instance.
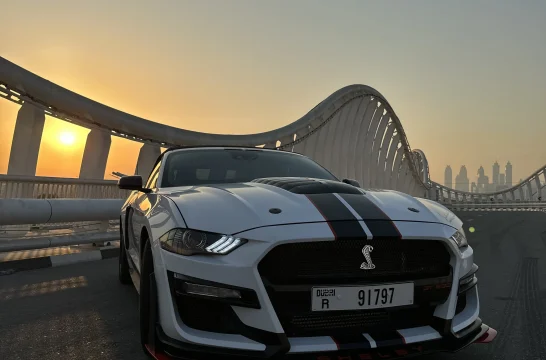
(368, 265)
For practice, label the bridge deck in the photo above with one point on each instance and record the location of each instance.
(80, 311)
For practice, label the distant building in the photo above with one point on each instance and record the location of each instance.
(508, 172)
(495, 179)
(448, 177)
(502, 180)
(461, 180)
(483, 181)
(481, 172)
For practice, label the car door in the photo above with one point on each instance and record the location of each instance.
(137, 218)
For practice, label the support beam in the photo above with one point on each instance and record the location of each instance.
(95, 155)
(27, 137)
(146, 158)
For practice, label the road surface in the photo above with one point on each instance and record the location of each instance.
(82, 312)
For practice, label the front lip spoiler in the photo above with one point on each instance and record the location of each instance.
(483, 334)
(489, 335)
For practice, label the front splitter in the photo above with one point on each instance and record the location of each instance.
(484, 336)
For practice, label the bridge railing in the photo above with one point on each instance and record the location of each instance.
(41, 187)
(509, 206)
(57, 222)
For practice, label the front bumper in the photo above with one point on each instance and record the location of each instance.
(259, 332)
(476, 333)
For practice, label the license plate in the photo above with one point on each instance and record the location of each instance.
(361, 297)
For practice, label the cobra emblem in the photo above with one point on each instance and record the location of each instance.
(368, 265)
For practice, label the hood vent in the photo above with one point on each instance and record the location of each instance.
(309, 186)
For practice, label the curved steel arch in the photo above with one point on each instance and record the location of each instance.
(354, 132)
(22, 85)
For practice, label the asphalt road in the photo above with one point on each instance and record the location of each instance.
(82, 312)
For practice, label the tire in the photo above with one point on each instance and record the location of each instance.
(123, 265)
(148, 303)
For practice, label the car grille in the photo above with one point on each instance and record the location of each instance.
(289, 271)
(332, 323)
(338, 262)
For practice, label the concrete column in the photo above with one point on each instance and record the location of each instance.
(539, 188)
(147, 156)
(95, 154)
(529, 191)
(27, 137)
(433, 194)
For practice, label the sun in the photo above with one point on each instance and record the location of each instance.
(67, 138)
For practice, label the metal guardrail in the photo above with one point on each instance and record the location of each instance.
(520, 206)
(41, 187)
(41, 211)
(54, 216)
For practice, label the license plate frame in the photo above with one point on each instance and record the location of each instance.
(350, 297)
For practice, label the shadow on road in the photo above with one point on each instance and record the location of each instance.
(72, 312)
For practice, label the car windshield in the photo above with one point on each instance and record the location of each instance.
(216, 166)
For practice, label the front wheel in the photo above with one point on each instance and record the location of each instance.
(148, 303)
(123, 265)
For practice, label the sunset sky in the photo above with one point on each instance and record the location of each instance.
(467, 79)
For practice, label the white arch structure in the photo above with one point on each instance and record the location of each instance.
(354, 132)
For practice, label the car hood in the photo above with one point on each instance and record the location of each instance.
(232, 208)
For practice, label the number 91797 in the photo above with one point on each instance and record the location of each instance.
(361, 297)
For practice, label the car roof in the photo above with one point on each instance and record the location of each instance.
(220, 147)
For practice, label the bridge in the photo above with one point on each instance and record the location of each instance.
(354, 132)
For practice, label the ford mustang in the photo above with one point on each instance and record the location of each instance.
(256, 253)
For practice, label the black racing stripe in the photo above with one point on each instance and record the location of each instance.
(378, 222)
(331, 207)
(382, 229)
(351, 342)
(390, 338)
(341, 220)
(364, 207)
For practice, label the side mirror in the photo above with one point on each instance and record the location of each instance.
(132, 183)
(351, 182)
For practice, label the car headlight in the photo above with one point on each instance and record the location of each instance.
(460, 238)
(192, 242)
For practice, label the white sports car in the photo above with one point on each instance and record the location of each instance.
(253, 253)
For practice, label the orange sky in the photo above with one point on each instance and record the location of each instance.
(467, 94)
(59, 159)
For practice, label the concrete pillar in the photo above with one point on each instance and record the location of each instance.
(539, 188)
(147, 156)
(434, 194)
(95, 155)
(27, 137)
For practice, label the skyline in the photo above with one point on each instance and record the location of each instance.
(501, 178)
(481, 166)
(437, 80)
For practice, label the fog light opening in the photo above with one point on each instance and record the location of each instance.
(211, 291)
